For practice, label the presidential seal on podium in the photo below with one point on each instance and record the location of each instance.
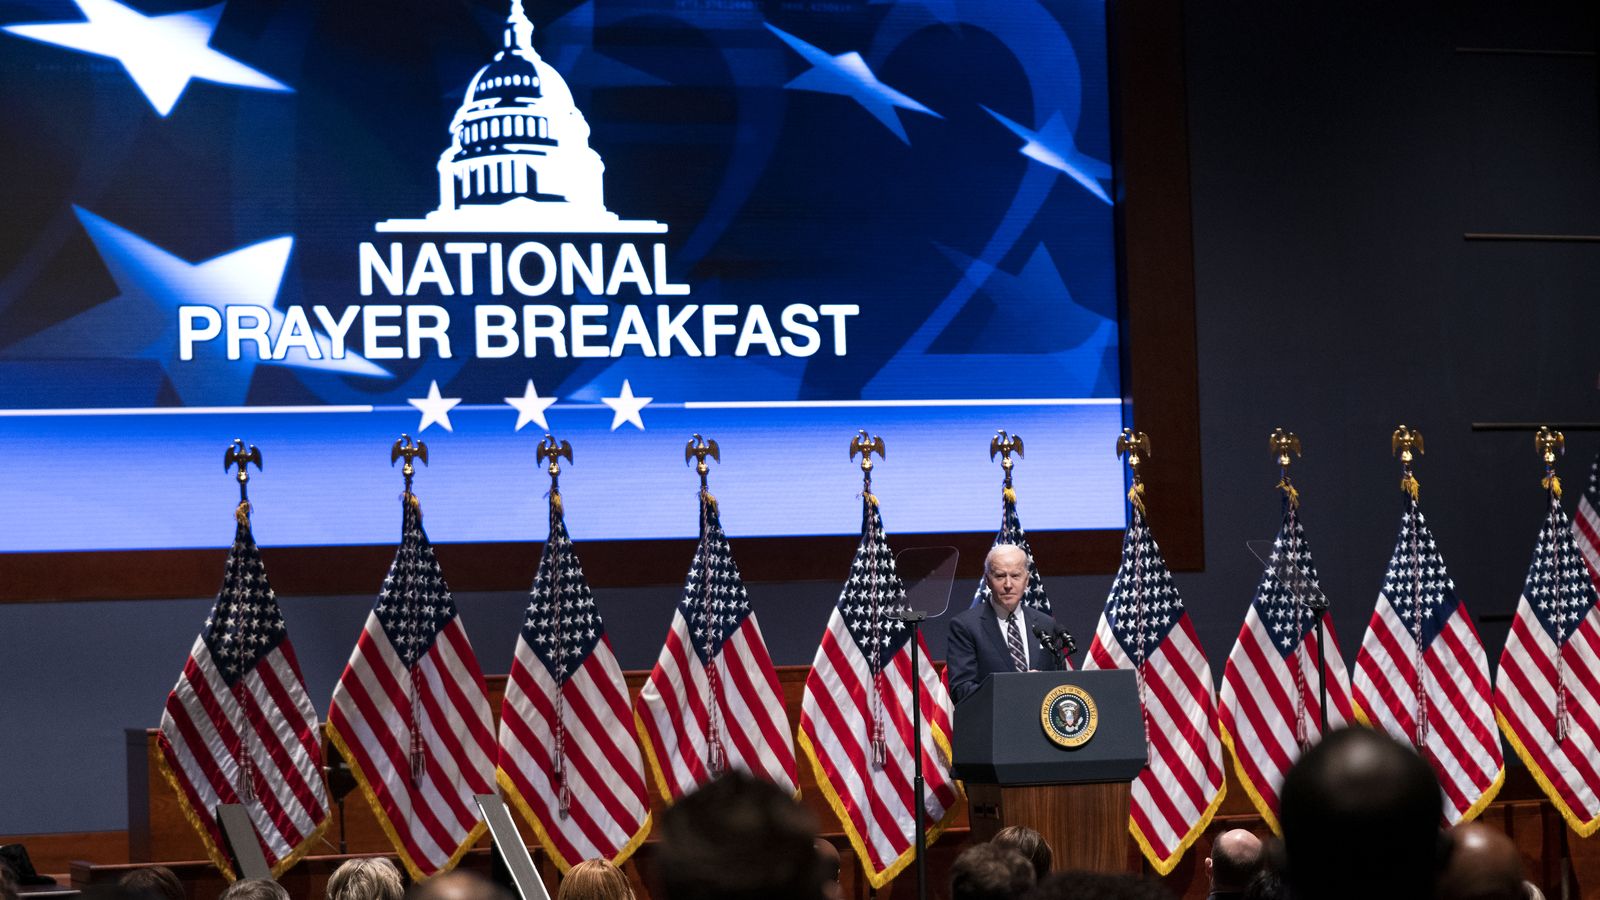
(1069, 715)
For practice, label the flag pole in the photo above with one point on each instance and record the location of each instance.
(410, 449)
(1136, 447)
(551, 451)
(1283, 444)
(697, 450)
(236, 455)
(1407, 443)
(1551, 444)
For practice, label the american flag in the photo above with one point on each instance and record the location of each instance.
(411, 712)
(1269, 703)
(1422, 675)
(1145, 628)
(238, 726)
(855, 716)
(1011, 533)
(713, 701)
(569, 761)
(1546, 694)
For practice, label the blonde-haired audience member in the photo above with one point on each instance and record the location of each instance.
(595, 879)
(368, 878)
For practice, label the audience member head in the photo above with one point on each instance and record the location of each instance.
(457, 885)
(1483, 865)
(1031, 844)
(1267, 884)
(368, 878)
(1360, 815)
(8, 883)
(1098, 886)
(595, 879)
(153, 881)
(832, 889)
(1235, 859)
(990, 872)
(254, 889)
(738, 838)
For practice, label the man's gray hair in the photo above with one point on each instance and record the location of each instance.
(988, 558)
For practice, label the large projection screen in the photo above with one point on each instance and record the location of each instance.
(318, 226)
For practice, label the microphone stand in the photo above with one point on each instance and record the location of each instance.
(1057, 642)
(915, 619)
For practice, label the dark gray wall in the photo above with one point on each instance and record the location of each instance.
(1339, 152)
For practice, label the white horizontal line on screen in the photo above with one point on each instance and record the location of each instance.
(867, 404)
(183, 410)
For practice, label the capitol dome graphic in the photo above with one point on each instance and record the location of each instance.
(519, 158)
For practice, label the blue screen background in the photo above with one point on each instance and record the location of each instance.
(957, 193)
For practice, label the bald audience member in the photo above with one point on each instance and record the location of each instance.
(254, 889)
(1235, 859)
(1360, 815)
(458, 885)
(832, 888)
(997, 636)
(1484, 865)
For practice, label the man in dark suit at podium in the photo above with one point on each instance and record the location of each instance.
(997, 636)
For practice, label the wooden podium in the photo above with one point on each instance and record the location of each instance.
(1015, 774)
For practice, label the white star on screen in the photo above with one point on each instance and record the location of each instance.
(1053, 146)
(530, 407)
(435, 409)
(142, 321)
(161, 53)
(625, 407)
(849, 76)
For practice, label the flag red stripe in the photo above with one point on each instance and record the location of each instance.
(539, 698)
(1472, 715)
(288, 783)
(475, 718)
(1179, 772)
(1511, 669)
(292, 772)
(545, 803)
(1576, 711)
(760, 698)
(881, 816)
(420, 811)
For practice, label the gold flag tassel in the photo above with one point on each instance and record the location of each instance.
(1407, 442)
(1136, 447)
